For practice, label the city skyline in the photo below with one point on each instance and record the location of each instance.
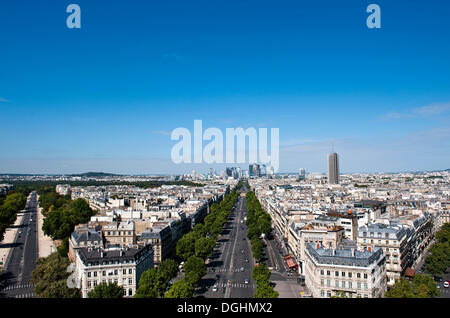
(107, 96)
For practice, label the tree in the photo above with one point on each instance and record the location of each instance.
(148, 286)
(422, 286)
(186, 246)
(256, 248)
(168, 269)
(264, 290)
(105, 290)
(50, 278)
(260, 273)
(195, 268)
(180, 289)
(204, 247)
(426, 285)
(401, 289)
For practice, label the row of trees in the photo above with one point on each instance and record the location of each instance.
(196, 246)
(50, 278)
(258, 222)
(9, 206)
(61, 215)
(261, 275)
(438, 260)
(422, 286)
(155, 281)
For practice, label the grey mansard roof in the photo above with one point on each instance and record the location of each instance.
(86, 236)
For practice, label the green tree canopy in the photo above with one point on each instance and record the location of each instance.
(104, 290)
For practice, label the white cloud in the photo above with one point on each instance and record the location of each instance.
(428, 110)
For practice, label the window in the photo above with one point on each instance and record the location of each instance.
(124, 272)
(350, 285)
(350, 274)
(89, 274)
(130, 271)
(89, 284)
(365, 286)
(104, 273)
(95, 274)
(328, 294)
(358, 275)
(365, 296)
(343, 274)
(95, 283)
(130, 292)
(343, 284)
(321, 282)
(115, 272)
(365, 241)
(365, 275)
(130, 281)
(358, 285)
(337, 283)
(322, 294)
(328, 283)
(336, 273)
(328, 273)
(321, 272)
(379, 242)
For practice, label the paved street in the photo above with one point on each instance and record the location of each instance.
(230, 255)
(22, 259)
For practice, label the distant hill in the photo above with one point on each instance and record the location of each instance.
(94, 174)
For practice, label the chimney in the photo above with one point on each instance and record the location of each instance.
(101, 254)
(317, 245)
(353, 252)
(369, 249)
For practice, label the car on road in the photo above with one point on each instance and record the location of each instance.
(438, 286)
(246, 281)
(246, 260)
(242, 251)
(215, 288)
(446, 283)
(217, 276)
(242, 269)
(229, 282)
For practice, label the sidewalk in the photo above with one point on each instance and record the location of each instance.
(46, 244)
(10, 236)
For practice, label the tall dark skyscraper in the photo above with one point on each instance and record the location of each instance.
(333, 168)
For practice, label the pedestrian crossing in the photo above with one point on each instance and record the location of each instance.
(237, 285)
(12, 287)
(224, 269)
(27, 295)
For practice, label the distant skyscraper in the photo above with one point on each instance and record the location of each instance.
(333, 168)
(254, 170)
(302, 173)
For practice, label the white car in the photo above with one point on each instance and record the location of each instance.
(446, 284)
(214, 288)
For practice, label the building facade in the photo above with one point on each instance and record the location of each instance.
(345, 272)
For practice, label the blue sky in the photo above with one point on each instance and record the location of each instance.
(106, 97)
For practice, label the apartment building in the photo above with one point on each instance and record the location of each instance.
(119, 233)
(345, 271)
(160, 238)
(83, 236)
(393, 240)
(302, 234)
(123, 266)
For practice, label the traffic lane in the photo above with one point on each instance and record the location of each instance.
(222, 260)
(23, 255)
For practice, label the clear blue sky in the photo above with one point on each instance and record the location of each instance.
(107, 96)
